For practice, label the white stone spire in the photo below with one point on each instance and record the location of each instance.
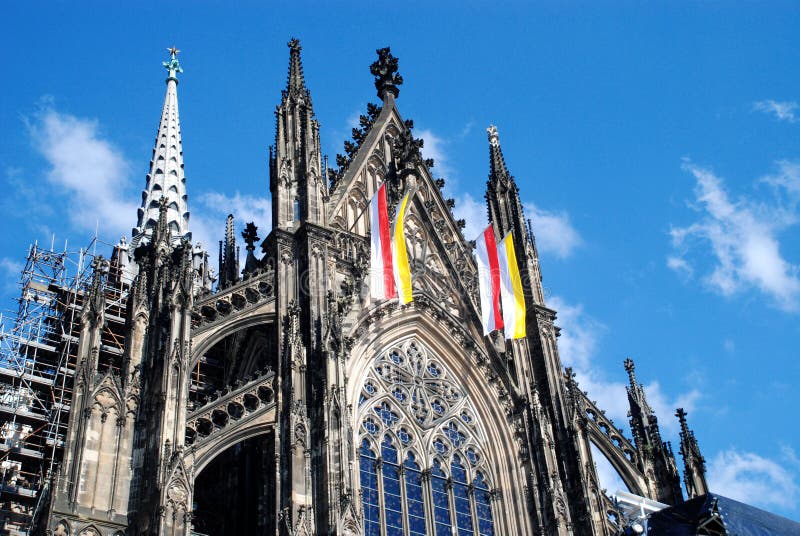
(166, 178)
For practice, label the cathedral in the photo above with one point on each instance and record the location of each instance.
(276, 396)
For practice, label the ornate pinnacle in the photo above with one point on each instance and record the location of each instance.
(494, 138)
(387, 79)
(250, 235)
(630, 368)
(172, 66)
(681, 415)
(296, 80)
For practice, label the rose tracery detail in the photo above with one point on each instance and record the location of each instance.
(417, 382)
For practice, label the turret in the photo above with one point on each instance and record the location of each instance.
(506, 214)
(656, 459)
(297, 184)
(694, 472)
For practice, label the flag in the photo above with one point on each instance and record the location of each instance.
(382, 284)
(402, 269)
(511, 291)
(488, 280)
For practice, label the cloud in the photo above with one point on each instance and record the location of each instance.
(783, 111)
(10, 270)
(753, 479)
(434, 147)
(473, 212)
(212, 208)
(578, 344)
(88, 169)
(553, 231)
(740, 237)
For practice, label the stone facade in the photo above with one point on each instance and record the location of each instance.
(287, 402)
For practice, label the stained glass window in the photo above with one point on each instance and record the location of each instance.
(369, 490)
(483, 507)
(416, 508)
(423, 418)
(441, 501)
(460, 492)
(392, 498)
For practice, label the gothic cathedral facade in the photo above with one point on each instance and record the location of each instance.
(279, 398)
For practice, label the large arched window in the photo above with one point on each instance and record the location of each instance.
(422, 463)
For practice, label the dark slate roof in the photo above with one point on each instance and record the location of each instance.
(738, 519)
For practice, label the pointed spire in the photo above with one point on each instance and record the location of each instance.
(296, 182)
(655, 455)
(694, 465)
(166, 176)
(497, 164)
(296, 81)
(229, 258)
(505, 211)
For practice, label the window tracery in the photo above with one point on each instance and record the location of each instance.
(421, 462)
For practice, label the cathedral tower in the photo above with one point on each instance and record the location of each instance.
(297, 184)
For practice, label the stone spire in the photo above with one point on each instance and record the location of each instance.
(228, 256)
(506, 214)
(297, 185)
(694, 465)
(655, 455)
(166, 177)
(296, 81)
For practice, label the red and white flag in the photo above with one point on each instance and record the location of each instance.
(382, 284)
(488, 280)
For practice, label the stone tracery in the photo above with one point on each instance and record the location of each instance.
(420, 438)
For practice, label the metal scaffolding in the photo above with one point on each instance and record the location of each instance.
(38, 358)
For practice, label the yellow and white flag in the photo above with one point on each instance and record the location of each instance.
(402, 268)
(511, 291)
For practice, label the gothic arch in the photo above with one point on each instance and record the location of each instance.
(205, 340)
(626, 469)
(500, 446)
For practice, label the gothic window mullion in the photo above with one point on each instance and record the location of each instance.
(448, 486)
(381, 495)
(427, 494)
(401, 477)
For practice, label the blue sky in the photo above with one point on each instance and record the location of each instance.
(656, 145)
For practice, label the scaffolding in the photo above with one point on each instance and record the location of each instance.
(38, 358)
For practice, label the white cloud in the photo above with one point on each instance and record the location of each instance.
(473, 212)
(212, 208)
(577, 345)
(743, 236)
(434, 147)
(753, 479)
(11, 270)
(680, 265)
(553, 231)
(783, 111)
(664, 406)
(89, 169)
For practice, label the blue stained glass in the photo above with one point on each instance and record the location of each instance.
(483, 507)
(441, 506)
(437, 407)
(370, 426)
(399, 395)
(463, 510)
(416, 508)
(433, 370)
(472, 456)
(369, 388)
(440, 447)
(456, 437)
(404, 436)
(395, 356)
(386, 414)
(369, 491)
(392, 499)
